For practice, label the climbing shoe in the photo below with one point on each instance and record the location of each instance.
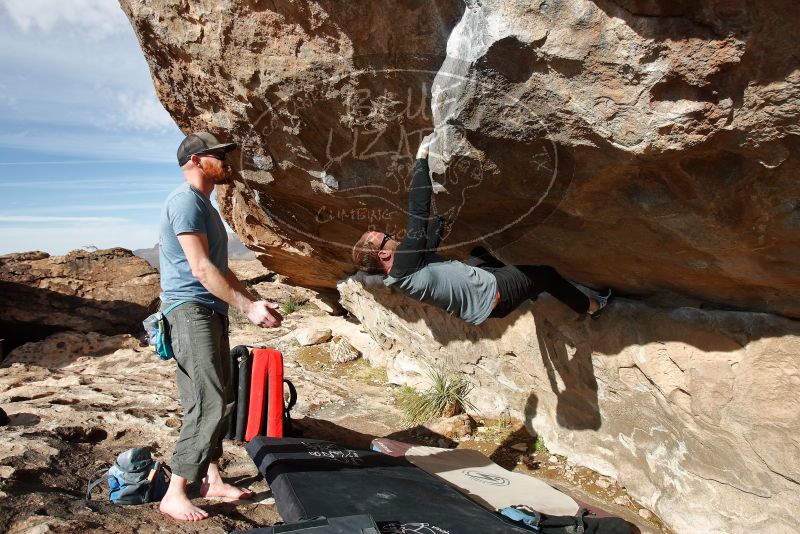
(602, 300)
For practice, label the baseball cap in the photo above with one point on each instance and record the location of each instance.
(198, 143)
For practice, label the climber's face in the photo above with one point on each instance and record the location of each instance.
(381, 242)
(384, 242)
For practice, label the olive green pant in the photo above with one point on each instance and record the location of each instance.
(200, 343)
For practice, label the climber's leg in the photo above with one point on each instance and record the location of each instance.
(514, 287)
(546, 278)
(518, 283)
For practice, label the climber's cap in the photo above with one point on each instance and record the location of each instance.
(200, 143)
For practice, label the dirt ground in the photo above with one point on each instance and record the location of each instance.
(66, 421)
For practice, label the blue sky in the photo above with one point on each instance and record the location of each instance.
(87, 152)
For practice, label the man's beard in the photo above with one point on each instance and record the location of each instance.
(225, 176)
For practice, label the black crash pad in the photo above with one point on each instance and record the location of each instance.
(311, 478)
(354, 524)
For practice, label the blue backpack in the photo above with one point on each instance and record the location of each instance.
(135, 478)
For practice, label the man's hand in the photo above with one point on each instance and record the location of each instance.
(264, 314)
(424, 146)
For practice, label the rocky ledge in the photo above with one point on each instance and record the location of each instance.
(107, 291)
(695, 412)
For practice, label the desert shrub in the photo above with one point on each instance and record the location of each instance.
(290, 305)
(446, 397)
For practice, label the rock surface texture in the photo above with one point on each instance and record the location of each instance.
(663, 134)
(647, 146)
(326, 100)
(70, 414)
(694, 412)
(72, 402)
(107, 291)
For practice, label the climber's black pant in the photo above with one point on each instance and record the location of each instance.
(518, 283)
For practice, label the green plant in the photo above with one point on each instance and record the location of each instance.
(447, 396)
(539, 446)
(290, 305)
(406, 395)
(504, 422)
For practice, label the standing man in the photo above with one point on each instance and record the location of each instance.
(194, 270)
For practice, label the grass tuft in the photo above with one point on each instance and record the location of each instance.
(539, 447)
(446, 397)
(289, 306)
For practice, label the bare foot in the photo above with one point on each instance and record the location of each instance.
(221, 489)
(181, 508)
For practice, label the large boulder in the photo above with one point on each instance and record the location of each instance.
(648, 146)
(651, 146)
(107, 291)
(326, 100)
(695, 412)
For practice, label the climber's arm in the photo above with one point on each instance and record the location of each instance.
(410, 254)
(422, 188)
(435, 233)
(419, 202)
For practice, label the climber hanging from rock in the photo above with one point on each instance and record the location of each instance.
(475, 290)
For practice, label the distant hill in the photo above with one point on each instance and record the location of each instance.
(236, 251)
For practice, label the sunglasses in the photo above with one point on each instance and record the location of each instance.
(215, 155)
(386, 239)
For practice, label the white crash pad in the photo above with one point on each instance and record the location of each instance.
(482, 480)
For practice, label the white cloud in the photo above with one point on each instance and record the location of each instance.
(75, 87)
(65, 92)
(109, 188)
(89, 208)
(6, 98)
(63, 162)
(109, 180)
(166, 188)
(96, 18)
(143, 112)
(48, 218)
(155, 147)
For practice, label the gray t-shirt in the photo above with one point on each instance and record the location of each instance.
(188, 210)
(460, 289)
